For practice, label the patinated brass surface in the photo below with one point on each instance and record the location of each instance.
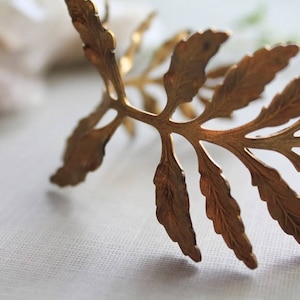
(184, 82)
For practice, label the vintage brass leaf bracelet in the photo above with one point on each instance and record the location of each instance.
(186, 78)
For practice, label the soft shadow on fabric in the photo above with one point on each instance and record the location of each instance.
(173, 269)
(169, 269)
(59, 202)
(177, 278)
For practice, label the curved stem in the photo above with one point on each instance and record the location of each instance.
(142, 81)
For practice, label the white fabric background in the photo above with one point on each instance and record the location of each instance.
(101, 239)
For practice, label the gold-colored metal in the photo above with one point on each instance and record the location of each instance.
(186, 78)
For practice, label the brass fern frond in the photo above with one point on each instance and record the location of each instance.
(186, 78)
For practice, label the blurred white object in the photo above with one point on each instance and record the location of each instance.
(36, 35)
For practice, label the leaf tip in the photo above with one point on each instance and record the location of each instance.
(251, 262)
(63, 177)
(195, 254)
(222, 35)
